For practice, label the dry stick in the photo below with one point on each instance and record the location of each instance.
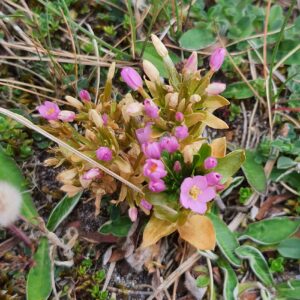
(98, 67)
(295, 122)
(108, 275)
(30, 125)
(33, 92)
(26, 84)
(265, 37)
(74, 50)
(286, 57)
(254, 76)
(27, 70)
(245, 125)
(244, 78)
(177, 273)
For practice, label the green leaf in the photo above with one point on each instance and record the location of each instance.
(226, 240)
(62, 210)
(151, 55)
(254, 173)
(230, 164)
(230, 285)
(276, 18)
(235, 183)
(289, 290)
(290, 248)
(257, 263)
(270, 231)
(39, 278)
(118, 227)
(196, 39)
(203, 153)
(285, 162)
(10, 172)
(240, 90)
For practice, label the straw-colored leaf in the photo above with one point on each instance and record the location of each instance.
(199, 232)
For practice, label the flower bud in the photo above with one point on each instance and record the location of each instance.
(151, 150)
(133, 213)
(157, 186)
(213, 178)
(91, 174)
(85, 96)
(104, 154)
(177, 166)
(66, 116)
(105, 119)
(217, 58)
(172, 99)
(144, 134)
(111, 71)
(159, 46)
(179, 117)
(181, 132)
(145, 204)
(210, 163)
(151, 71)
(74, 102)
(170, 144)
(96, 118)
(151, 109)
(215, 88)
(195, 98)
(10, 204)
(132, 78)
(191, 64)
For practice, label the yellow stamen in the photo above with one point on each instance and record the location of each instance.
(195, 192)
(153, 168)
(50, 111)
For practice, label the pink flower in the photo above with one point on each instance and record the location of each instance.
(151, 109)
(154, 169)
(85, 96)
(132, 78)
(181, 132)
(49, 110)
(191, 64)
(104, 153)
(151, 149)
(215, 88)
(105, 119)
(133, 213)
(145, 204)
(217, 58)
(177, 166)
(144, 134)
(210, 163)
(91, 174)
(179, 116)
(157, 186)
(213, 178)
(66, 116)
(195, 193)
(169, 143)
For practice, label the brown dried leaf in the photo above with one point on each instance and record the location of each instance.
(155, 230)
(199, 232)
(214, 122)
(218, 147)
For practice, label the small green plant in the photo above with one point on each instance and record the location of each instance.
(14, 139)
(277, 264)
(244, 194)
(96, 293)
(84, 266)
(235, 111)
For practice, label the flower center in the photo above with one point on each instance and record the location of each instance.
(153, 168)
(50, 111)
(195, 192)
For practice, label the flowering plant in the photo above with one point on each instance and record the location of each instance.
(153, 139)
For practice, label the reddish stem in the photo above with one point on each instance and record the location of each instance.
(19, 233)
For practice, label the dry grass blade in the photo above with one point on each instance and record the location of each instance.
(178, 272)
(30, 125)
